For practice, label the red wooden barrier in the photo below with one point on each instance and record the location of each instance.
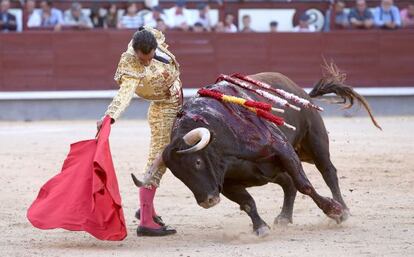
(76, 60)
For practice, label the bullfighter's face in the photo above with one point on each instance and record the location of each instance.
(145, 59)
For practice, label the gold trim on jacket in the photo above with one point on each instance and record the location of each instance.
(154, 82)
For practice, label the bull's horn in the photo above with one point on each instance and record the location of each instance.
(137, 182)
(150, 173)
(200, 135)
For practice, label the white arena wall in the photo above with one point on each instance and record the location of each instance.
(71, 105)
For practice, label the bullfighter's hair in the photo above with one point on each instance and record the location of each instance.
(144, 41)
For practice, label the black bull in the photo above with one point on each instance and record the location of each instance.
(241, 150)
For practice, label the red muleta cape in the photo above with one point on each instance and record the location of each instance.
(84, 196)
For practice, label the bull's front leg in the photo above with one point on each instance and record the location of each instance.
(239, 194)
(288, 158)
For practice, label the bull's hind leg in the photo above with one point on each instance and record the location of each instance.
(317, 145)
(288, 158)
(289, 190)
(329, 174)
(239, 194)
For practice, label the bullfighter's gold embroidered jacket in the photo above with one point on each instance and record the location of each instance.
(157, 82)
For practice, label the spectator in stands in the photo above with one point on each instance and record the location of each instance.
(204, 16)
(131, 20)
(7, 20)
(273, 26)
(161, 26)
(33, 18)
(341, 18)
(179, 17)
(74, 17)
(111, 19)
(229, 26)
(51, 17)
(149, 4)
(198, 27)
(151, 19)
(360, 16)
(387, 16)
(219, 27)
(97, 16)
(304, 25)
(246, 20)
(407, 16)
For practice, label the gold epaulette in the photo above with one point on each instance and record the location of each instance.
(129, 65)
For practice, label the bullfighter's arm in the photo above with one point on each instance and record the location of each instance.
(128, 76)
(123, 98)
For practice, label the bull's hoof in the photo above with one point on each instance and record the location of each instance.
(263, 231)
(282, 220)
(345, 215)
(336, 212)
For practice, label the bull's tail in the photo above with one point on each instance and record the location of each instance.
(333, 82)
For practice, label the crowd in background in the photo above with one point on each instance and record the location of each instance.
(386, 16)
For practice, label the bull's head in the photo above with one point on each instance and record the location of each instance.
(196, 164)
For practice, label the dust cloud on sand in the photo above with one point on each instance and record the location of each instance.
(376, 171)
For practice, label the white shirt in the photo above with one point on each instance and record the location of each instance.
(311, 28)
(131, 22)
(35, 20)
(231, 29)
(160, 53)
(175, 21)
(206, 21)
(150, 21)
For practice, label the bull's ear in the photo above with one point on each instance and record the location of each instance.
(166, 153)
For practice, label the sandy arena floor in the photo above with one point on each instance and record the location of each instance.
(376, 171)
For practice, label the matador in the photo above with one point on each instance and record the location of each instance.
(148, 69)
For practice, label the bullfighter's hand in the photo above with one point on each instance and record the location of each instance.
(99, 124)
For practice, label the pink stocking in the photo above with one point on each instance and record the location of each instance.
(146, 197)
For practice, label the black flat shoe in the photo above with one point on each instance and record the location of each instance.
(162, 231)
(156, 219)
